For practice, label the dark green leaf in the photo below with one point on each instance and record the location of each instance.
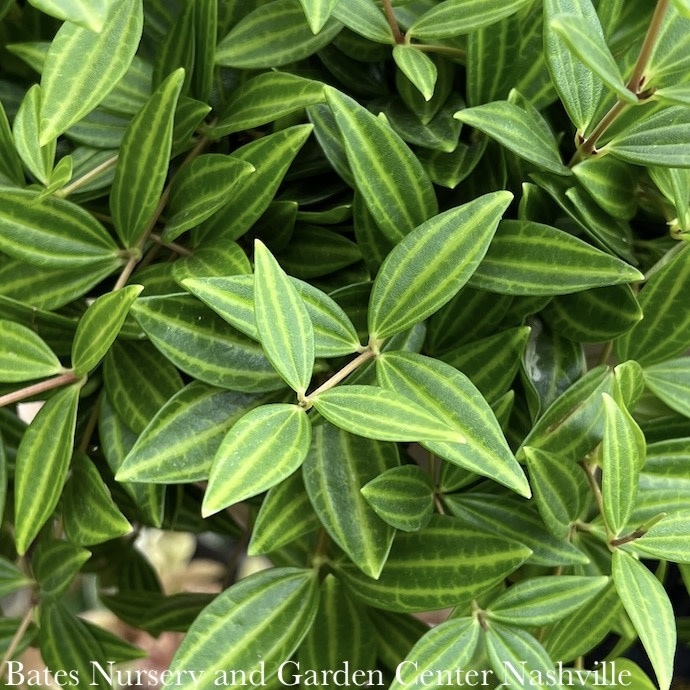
(10, 163)
(24, 355)
(11, 578)
(365, 19)
(418, 67)
(670, 382)
(611, 183)
(55, 564)
(26, 129)
(667, 539)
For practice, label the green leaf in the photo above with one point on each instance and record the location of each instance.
(24, 355)
(402, 497)
(456, 17)
(90, 515)
(261, 449)
(254, 625)
(318, 12)
(67, 645)
(266, 98)
(285, 515)
(650, 611)
(683, 7)
(341, 634)
(114, 647)
(544, 600)
(441, 565)
(3, 476)
(217, 256)
(522, 256)
(589, 46)
(382, 414)
(26, 129)
(42, 463)
(200, 189)
(337, 467)
(449, 397)
(513, 518)
(363, 17)
(202, 345)
(670, 382)
(674, 184)
(578, 87)
(11, 578)
(621, 462)
(142, 166)
(271, 157)
(55, 564)
(449, 645)
(90, 14)
(665, 330)
(282, 321)
(291, 37)
(99, 326)
(10, 162)
(53, 233)
(166, 451)
(524, 133)
(427, 268)
(418, 67)
(95, 62)
(397, 193)
(667, 539)
(660, 139)
(177, 49)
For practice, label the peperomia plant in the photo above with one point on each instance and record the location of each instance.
(394, 293)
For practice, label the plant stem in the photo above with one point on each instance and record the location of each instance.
(596, 491)
(36, 388)
(86, 178)
(440, 50)
(173, 246)
(590, 143)
(16, 639)
(339, 376)
(90, 426)
(393, 22)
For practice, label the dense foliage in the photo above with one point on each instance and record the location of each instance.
(394, 293)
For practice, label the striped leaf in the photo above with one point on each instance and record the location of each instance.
(427, 268)
(457, 17)
(449, 645)
(318, 12)
(578, 87)
(588, 45)
(202, 345)
(67, 645)
(560, 490)
(216, 257)
(650, 611)
(53, 233)
(441, 565)
(593, 316)
(205, 24)
(90, 515)
(670, 382)
(254, 625)
(667, 539)
(341, 634)
(142, 166)
(449, 396)
(3, 476)
(403, 497)
(418, 67)
(177, 49)
(665, 330)
(330, 140)
(337, 467)
(233, 298)
(42, 462)
(26, 130)
(201, 188)
(10, 163)
(395, 635)
(266, 98)
(611, 183)
(99, 326)
(661, 139)
(285, 515)
(674, 184)
(621, 462)
(95, 62)
(398, 193)
(91, 14)
(544, 600)
(382, 414)
(522, 256)
(291, 37)
(282, 321)
(166, 451)
(55, 564)
(12, 578)
(271, 156)
(25, 355)
(130, 93)
(524, 133)
(513, 518)
(365, 19)
(261, 449)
